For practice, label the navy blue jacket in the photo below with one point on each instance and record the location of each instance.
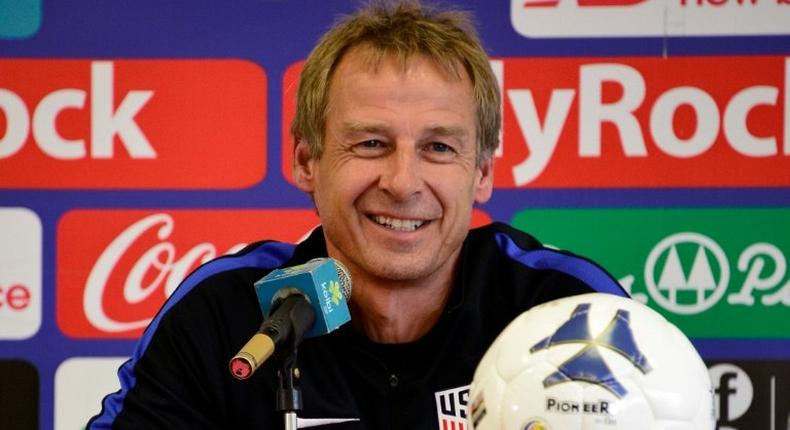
(178, 375)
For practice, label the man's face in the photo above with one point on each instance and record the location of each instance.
(398, 177)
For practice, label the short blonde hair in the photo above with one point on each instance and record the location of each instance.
(403, 29)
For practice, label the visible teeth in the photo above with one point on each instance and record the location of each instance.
(399, 224)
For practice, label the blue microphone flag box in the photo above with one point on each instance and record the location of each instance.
(318, 281)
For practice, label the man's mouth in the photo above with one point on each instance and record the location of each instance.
(398, 224)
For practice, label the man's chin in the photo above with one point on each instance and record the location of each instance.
(394, 269)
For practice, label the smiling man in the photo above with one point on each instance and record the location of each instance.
(395, 184)
(396, 126)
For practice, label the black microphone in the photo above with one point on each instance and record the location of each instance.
(297, 302)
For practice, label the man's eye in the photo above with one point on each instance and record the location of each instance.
(370, 148)
(372, 143)
(439, 147)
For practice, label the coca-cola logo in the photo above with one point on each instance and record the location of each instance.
(118, 267)
(157, 270)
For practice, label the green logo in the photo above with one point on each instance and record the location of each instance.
(334, 289)
(712, 272)
(19, 18)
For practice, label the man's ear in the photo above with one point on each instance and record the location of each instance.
(485, 180)
(304, 166)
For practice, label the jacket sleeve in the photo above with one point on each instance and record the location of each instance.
(178, 375)
(168, 381)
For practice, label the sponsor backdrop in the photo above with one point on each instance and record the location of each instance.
(140, 139)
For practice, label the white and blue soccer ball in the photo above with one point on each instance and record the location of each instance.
(591, 362)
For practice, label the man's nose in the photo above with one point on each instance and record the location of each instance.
(401, 176)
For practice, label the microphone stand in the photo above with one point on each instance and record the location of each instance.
(289, 396)
(286, 328)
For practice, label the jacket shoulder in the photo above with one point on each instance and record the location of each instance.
(522, 249)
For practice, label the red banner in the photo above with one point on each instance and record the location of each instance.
(634, 122)
(132, 124)
(117, 267)
(645, 122)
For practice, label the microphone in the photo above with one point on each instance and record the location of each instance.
(300, 301)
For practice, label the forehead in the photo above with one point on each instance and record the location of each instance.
(371, 58)
(367, 76)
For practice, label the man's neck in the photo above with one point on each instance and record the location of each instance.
(398, 315)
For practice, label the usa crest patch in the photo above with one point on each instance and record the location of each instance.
(451, 408)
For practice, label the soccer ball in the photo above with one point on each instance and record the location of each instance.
(591, 362)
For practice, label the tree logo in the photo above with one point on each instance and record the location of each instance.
(687, 273)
